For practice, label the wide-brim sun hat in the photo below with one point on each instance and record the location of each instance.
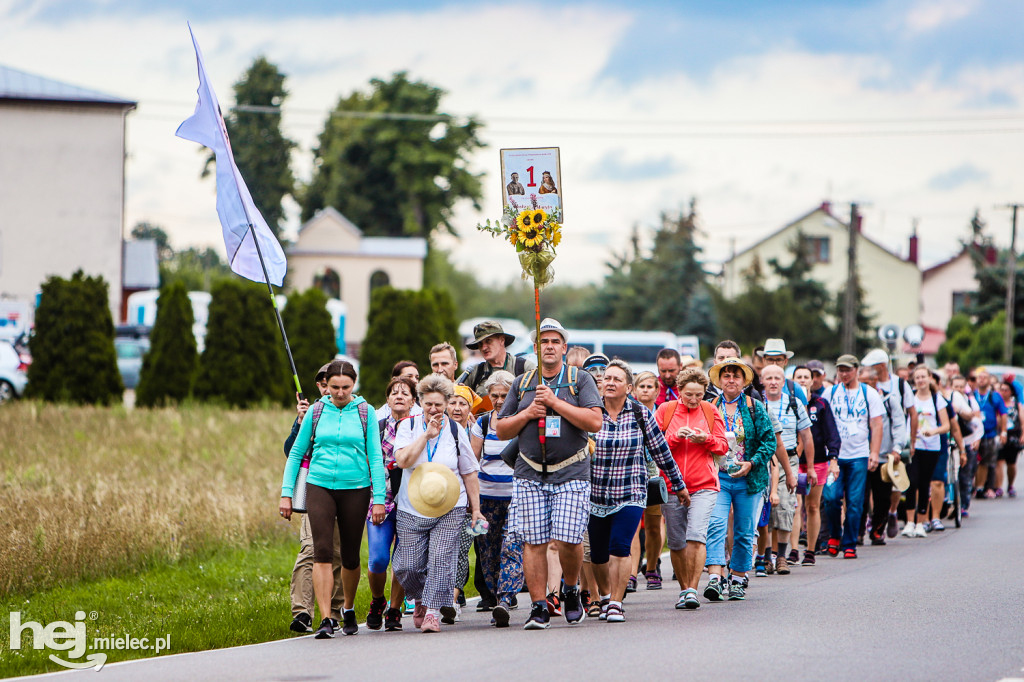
(550, 324)
(896, 473)
(433, 489)
(487, 329)
(775, 347)
(716, 371)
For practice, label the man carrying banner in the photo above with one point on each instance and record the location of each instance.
(551, 484)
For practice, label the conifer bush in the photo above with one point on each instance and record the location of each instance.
(169, 368)
(311, 336)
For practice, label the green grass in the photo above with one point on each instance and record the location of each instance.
(224, 598)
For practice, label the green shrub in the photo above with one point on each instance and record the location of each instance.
(403, 325)
(243, 363)
(311, 335)
(169, 368)
(73, 357)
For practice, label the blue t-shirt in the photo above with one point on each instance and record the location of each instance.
(992, 405)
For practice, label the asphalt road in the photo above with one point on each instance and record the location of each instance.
(947, 607)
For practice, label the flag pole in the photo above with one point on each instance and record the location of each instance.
(277, 311)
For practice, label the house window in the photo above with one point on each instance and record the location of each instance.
(963, 301)
(818, 249)
(379, 279)
(328, 282)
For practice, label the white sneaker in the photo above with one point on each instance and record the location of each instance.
(908, 530)
(920, 532)
(458, 613)
(937, 525)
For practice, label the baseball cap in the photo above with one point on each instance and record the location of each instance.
(321, 372)
(847, 360)
(876, 356)
(816, 366)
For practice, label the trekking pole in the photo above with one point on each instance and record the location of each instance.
(540, 376)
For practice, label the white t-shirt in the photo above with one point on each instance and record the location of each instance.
(961, 404)
(853, 411)
(928, 419)
(384, 411)
(462, 461)
(891, 385)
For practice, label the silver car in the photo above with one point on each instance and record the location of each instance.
(13, 373)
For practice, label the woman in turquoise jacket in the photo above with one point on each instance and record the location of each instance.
(346, 469)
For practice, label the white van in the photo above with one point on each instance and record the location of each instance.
(638, 348)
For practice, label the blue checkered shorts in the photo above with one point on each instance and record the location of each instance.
(550, 511)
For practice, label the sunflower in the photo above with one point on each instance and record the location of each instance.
(513, 236)
(531, 237)
(555, 234)
(538, 216)
(525, 220)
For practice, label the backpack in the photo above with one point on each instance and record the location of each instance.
(524, 382)
(791, 389)
(706, 407)
(479, 373)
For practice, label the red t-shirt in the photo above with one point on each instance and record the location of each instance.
(665, 393)
(695, 461)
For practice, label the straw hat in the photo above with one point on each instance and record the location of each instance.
(896, 473)
(433, 489)
(748, 374)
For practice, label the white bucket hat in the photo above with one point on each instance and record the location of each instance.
(775, 347)
(550, 324)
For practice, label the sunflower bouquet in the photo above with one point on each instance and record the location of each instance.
(535, 232)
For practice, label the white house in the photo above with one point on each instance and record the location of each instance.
(62, 152)
(891, 285)
(332, 254)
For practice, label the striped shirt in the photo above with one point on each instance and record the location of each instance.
(495, 476)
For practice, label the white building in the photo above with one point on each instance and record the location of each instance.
(332, 254)
(891, 285)
(62, 152)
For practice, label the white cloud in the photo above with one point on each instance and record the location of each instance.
(927, 15)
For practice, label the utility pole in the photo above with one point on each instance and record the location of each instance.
(850, 304)
(1011, 288)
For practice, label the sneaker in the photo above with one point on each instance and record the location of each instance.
(327, 628)
(937, 525)
(484, 605)
(920, 531)
(737, 590)
(781, 565)
(990, 494)
(603, 615)
(615, 614)
(927, 526)
(794, 557)
(850, 553)
(585, 599)
(514, 604)
(350, 626)
(833, 547)
(539, 619)
(653, 580)
(759, 567)
(460, 598)
(631, 584)
(964, 514)
(393, 620)
(877, 540)
(1011, 492)
(808, 558)
(450, 614)
(301, 623)
(688, 600)
(409, 607)
(892, 527)
(430, 624)
(500, 614)
(573, 607)
(716, 589)
(554, 605)
(418, 614)
(375, 616)
(769, 563)
(999, 492)
(908, 530)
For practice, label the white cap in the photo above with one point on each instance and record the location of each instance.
(875, 356)
(550, 324)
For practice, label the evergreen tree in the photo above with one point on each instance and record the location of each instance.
(311, 336)
(262, 152)
(959, 337)
(448, 323)
(864, 326)
(807, 333)
(169, 368)
(144, 230)
(383, 173)
(73, 357)
(243, 363)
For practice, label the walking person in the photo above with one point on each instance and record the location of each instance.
(894, 440)
(932, 422)
(551, 484)
(382, 538)
(858, 414)
(346, 468)
(993, 410)
(742, 476)
(695, 434)
(1006, 461)
(646, 393)
(618, 487)
(439, 483)
(492, 341)
(460, 410)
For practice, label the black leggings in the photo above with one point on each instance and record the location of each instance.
(921, 468)
(347, 508)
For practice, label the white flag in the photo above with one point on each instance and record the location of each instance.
(234, 203)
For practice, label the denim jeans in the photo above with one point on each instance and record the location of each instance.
(853, 475)
(733, 495)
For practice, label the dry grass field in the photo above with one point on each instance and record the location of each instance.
(92, 492)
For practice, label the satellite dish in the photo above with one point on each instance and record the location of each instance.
(914, 335)
(889, 333)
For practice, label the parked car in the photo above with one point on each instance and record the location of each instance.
(129, 358)
(13, 373)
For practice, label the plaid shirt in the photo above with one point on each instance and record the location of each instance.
(618, 474)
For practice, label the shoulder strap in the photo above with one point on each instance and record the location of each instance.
(455, 434)
(867, 405)
(485, 424)
(791, 387)
(364, 415)
(638, 415)
(673, 404)
(318, 409)
(574, 373)
(709, 414)
(524, 383)
(382, 426)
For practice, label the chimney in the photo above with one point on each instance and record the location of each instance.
(912, 254)
(826, 206)
(860, 220)
(990, 254)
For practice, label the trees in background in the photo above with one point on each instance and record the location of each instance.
(310, 335)
(73, 358)
(169, 368)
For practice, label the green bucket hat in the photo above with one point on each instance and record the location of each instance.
(487, 329)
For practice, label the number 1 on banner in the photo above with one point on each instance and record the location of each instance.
(531, 183)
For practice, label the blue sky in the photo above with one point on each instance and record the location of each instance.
(687, 99)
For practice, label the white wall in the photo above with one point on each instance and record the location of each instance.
(62, 195)
(938, 287)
